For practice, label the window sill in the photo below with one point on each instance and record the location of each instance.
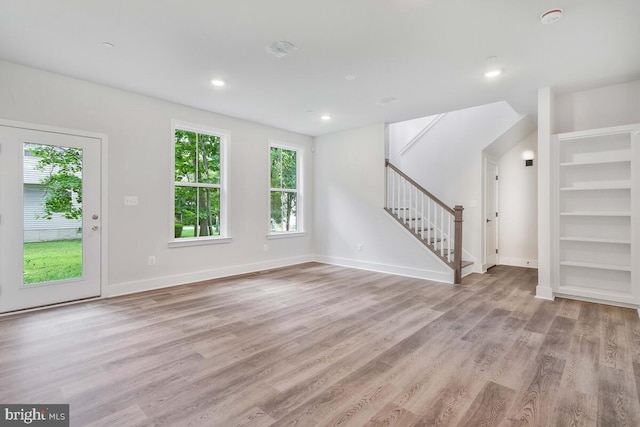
(286, 235)
(199, 241)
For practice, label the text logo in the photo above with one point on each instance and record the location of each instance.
(34, 415)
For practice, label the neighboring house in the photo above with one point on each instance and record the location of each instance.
(37, 228)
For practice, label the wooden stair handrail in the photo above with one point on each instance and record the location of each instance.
(456, 212)
(420, 187)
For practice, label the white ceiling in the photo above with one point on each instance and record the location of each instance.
(430, 54)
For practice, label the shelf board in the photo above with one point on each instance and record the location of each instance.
(596, 213)
(595, 240)
(598, 187)
(596, 265)
(592, 133)
(596, 162)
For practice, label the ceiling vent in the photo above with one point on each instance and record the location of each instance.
(280, 48)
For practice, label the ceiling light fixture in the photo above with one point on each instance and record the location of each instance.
(280, 48)
(326, 117)
(107, 45)
(349, 77)
(492, 69)
(217, 82)
(494, 72)
(550, 16)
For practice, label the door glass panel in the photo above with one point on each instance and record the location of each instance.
(52, 207)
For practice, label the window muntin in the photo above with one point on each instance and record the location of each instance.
(199, 187)
(285, 197)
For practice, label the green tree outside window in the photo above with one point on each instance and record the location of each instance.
(197, 184)
(284, 189)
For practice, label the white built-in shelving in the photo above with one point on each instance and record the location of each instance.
(597, 208)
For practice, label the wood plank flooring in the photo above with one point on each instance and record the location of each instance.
(322, 345)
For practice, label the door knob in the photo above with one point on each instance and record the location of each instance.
(95, 228)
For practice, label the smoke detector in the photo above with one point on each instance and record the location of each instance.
(280, 48)
(550, 16)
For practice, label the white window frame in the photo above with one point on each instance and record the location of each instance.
(225, 140)
(300, 230)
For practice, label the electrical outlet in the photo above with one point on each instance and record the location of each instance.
(152, 260)
(360, 247)
(130, 200)
(265, 247)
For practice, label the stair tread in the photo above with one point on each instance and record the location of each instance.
(430, 242)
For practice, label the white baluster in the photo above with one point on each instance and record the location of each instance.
(410, 194)
(392, 177)
(415, 222)
(441, 231)
(429, 219)
(435, 222)
(449, 238)
(398, 204)
(422, 215)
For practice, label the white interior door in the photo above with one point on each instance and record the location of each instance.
(49, 217)
(491, 214)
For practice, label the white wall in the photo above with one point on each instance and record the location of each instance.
(349, 201)
(447, 161)
(139, 137)
(597, 108)
(400, 134)
(518, 206)
(546, 204)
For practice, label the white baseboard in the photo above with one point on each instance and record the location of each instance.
(544, 292)
(473, 268)
(436, 276)
(198, 276)
(519, 262)
(596, 300)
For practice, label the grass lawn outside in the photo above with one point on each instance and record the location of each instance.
(55, 260)
(188, 231)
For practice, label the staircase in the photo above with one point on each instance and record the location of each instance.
(434, 224)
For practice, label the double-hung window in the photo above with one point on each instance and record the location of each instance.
(199, 182)
(285, 191)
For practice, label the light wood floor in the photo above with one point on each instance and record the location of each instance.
(323, 345)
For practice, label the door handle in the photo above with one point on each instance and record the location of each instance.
(95, 228)
(488, 220)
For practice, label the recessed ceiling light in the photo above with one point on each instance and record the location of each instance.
(217, 82)
(107, 45)
(494, 72)
(387, 100)
(326, 117)
(492, 68)
(281, 48)
(550, 16)
(349, 77)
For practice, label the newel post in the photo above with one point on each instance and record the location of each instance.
(457, 248)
